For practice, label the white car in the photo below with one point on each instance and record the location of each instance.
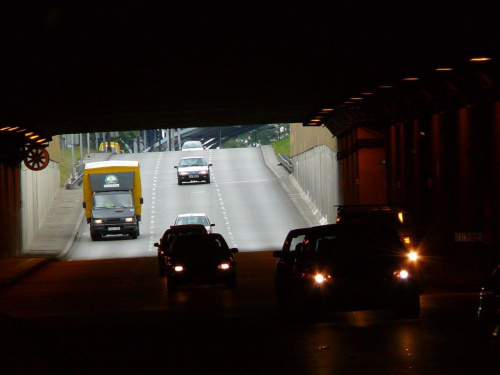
(195, 218)
(192, 146)
(193, 168)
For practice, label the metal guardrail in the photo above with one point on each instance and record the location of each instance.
(77, 179)
(286, 162)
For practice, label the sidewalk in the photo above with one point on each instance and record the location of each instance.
(56, 235)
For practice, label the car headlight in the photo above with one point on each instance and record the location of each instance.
(321, 278)
(401, 274)
(203, 172)
(183, 173)
(98, 221)
(413, 256)
(224, 266)
(129, 220)
(178, 268)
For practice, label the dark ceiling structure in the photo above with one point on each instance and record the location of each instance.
(72, 67)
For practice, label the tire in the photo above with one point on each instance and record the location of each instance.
(95, 236)
(171, 285)
(179, 182)
(407, 305)
(232, 283)
(208, 180)
(133, 235)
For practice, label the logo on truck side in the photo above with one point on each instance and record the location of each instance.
(111, 181)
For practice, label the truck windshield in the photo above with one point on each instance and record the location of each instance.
(113, 200)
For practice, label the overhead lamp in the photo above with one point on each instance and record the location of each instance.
(385, 87)
(444, 69)
(367, 93)
(355, 98)
(408, 79)
(480, 59)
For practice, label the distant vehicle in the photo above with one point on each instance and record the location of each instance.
(200, 259)
(112, 198)
(193, 168)
(397, 218)
(115, 147)
(488, 314)
(168, 237)
(192, 146)
(347, 267)
(195, 218)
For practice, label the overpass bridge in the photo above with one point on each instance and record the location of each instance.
(413, 109)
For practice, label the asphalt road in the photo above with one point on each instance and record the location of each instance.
(106, 311)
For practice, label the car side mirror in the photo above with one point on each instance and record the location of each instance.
(278, 254)
(84, 205)
(156, 244)
(175, 166)
(209, 164)
(142, 200)
(212, 224)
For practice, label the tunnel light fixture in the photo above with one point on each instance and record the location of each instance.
(356, 98)
(367, 93)
(480, 59)
(444, 69)
(411, 79)
(385, 87)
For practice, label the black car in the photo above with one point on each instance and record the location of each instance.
(193, 168)
(200, 258)
(348, 267)
(488, 314)
(168, 237)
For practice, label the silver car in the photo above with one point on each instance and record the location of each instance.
(193, 168)
(194, 218)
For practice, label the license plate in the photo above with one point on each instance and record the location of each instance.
(192, 176)
(114, 228)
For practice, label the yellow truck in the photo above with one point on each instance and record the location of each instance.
(112, 198)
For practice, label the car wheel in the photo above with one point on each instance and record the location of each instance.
(171, 285)
(407, 305)
(208, 180)
(179, 182)
(95, 236)
(133, 235)
(232, 282)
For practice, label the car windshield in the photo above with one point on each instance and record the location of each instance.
(192, 144)
(184, 220)
(113, 200)
(193, 162)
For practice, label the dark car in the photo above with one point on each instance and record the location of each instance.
(488, 314)
(396, 217)
(200, 258)
(168, 237)
(347, 267)
(193, 168)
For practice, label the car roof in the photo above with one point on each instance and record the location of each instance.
(185, 227)
(192, 214)
(193, 157)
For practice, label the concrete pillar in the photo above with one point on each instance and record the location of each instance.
(10, 209)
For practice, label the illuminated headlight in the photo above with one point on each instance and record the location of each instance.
(224, 266)
(407, 240)
(98, 221)
(203, 172)
(319, 278)
(413, 256)
(183, 173)
(178, 268)
(129, 220)
(401, 274)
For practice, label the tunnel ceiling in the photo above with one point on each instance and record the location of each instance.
(73, 67)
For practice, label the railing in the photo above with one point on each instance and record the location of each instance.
(286, 162)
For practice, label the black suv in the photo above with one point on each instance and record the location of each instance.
(348, 267)
(168, 237)
(200, 258)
